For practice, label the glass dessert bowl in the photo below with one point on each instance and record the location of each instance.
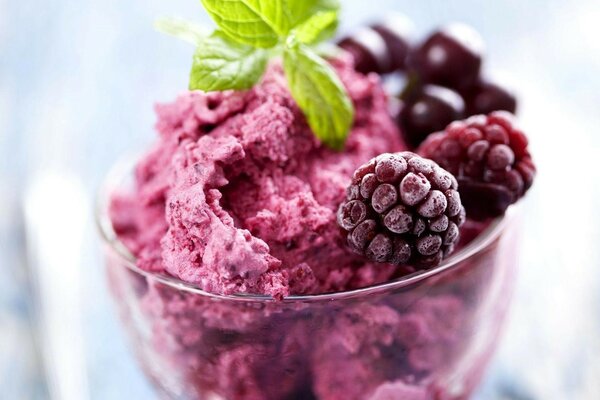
(427, 335)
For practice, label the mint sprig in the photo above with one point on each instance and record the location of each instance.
(252, 31)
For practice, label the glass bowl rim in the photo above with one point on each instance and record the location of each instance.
(105, 227)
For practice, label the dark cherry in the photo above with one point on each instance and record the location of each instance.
(487, 96)
(368, 49)
(449, 57)
(396, 30)
(426, 110)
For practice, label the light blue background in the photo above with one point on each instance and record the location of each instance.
(78, 80)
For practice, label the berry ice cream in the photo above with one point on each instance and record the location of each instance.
(238, 195)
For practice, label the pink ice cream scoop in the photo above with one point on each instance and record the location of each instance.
(237, 195)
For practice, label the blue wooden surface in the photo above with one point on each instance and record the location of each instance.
(77, 83)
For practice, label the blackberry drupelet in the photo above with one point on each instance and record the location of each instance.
(402, 209)
(490, 159)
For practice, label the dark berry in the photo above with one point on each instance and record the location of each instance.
(490, 159)
(402, 209)
(450, 57)
(382, 47)
(369, 51)
(428, 109)
(396, 31)
(486, 97)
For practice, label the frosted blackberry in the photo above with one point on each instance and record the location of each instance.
(402, 209)
(490, 159)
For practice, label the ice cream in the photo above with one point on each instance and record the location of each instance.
(237, 196)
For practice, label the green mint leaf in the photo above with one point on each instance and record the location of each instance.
(317, 28)
(221, 64)
(327, 5)
(298, 11)
(261, 23)
(181, 29)
(281, 15)
(247, 21)
(319, 93)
